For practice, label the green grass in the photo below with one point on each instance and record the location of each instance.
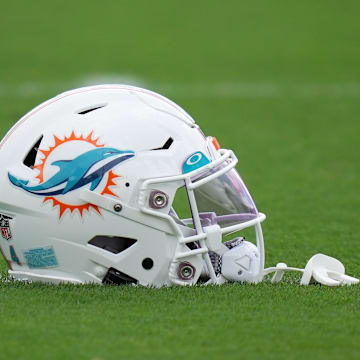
(277, 82)
(232, 321)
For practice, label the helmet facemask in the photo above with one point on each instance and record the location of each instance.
(220, 204)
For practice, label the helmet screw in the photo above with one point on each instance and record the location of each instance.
(186, 271)
(158, 200)
(117, 207)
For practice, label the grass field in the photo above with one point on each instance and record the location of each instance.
(279, 83)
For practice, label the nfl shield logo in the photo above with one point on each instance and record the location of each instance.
(5, 227)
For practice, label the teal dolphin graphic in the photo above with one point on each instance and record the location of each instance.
(77, 172)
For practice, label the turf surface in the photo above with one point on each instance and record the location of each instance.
(277, 82)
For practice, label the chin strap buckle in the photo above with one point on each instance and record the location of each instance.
(321, 268)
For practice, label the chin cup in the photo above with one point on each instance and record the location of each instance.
(241, 263)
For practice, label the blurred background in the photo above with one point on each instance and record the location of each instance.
(278, 82)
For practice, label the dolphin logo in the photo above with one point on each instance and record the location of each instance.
(73, 174)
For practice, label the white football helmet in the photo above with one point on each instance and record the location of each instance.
(89, 182)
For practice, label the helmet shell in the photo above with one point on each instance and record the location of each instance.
(51, 233)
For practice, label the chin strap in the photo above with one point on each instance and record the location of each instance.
(320, 268)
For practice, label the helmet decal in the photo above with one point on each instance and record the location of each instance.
(74, 174)
(13, 255)
(5, 227)
(195, 161)
(43, 257)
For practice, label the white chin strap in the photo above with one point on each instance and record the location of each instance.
(320, 268)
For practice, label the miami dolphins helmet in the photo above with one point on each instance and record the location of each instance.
(94, 185)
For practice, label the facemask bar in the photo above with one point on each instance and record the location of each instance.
(228, 157)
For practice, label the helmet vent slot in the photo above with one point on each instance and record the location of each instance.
(116, 277)
(167, 144)
(113, 244)
(30, 158)
(90, 108)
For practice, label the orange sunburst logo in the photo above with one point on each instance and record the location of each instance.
(47, 154)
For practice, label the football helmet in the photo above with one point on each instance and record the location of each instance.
(91, 185)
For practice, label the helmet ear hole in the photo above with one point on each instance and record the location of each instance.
(147, 263)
